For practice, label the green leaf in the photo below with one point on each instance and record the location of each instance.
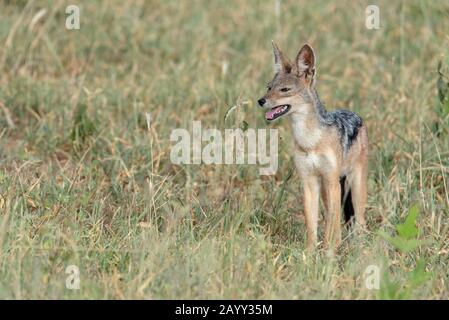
(390, 290)
(244, 126)
(408, 230)
(402, 244)
(419, 274)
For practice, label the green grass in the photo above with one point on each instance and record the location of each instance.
(83, 182)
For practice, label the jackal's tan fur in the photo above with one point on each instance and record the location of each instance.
(331, 148)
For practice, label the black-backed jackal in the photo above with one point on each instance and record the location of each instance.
(331, 148)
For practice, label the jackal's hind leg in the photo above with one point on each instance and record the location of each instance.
(359, 193)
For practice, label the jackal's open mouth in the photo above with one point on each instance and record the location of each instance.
(276, 112)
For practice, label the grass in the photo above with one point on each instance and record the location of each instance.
(84, 182)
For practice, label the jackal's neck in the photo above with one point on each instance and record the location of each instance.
(306, 127)
(319, 107)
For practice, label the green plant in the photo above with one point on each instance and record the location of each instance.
(406, 241)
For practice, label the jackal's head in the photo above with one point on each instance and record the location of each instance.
(291, 89)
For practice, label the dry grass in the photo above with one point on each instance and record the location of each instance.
(83, 182)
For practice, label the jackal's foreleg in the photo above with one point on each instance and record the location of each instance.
(331, 198)
(311, 202)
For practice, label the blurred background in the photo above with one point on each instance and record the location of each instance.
(85, 182)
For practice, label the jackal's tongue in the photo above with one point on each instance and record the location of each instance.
(270, 114)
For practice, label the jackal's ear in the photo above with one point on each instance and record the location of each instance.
(281, 63)
(305, 62)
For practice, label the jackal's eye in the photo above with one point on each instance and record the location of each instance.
(285, 89)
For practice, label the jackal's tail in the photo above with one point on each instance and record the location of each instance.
(346, 201)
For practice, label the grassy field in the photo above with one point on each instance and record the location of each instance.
(84, 182)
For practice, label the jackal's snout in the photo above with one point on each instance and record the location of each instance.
(262, 101)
